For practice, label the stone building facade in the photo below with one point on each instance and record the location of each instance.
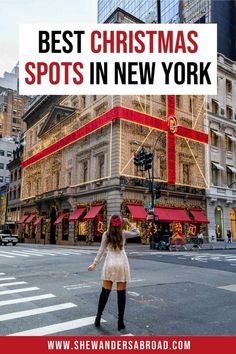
(12, 108)
(221, 197)
(78, 162)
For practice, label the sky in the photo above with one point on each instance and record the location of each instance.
(15, 12)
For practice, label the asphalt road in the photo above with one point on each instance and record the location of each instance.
(48, 290)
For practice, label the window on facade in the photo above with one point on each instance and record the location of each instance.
(69, 178)
(186, 174)
(19, 173)
(83, 102)
(1, 166)
(29, 189)
(94, 97)
(230, 176)
(178, 101)
(37, 187)
(85, 171)
(57, 180)
(14, 194)
(215, 107)
(65, 228)
(11, 176)
(229, 112)
(163, 99)
(228, 84)
(14, 129)
(214, 175)
(9, 154)
(190, 104)
(2, 153)
(15, 175)
(1, 179)
(19, 191)
(101, 165)
(228, 143)
(214, 138)
(7, 179)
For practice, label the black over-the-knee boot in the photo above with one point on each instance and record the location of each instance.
(121, 299)
(101, 305)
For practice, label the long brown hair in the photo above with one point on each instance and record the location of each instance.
(114, 233)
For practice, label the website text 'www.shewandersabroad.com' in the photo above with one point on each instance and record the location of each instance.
(120, 344)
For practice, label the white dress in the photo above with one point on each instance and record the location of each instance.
(116, 266)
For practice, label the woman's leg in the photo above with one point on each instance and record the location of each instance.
(121, 300)
(106, 289)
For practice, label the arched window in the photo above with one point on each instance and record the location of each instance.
(219, 223)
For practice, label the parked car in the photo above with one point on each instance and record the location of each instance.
(6, 236)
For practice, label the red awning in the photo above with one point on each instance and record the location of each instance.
(38, 220)
(60, 218)
(171, 215)
(138, 212)
(199, 217)
(22, 220)
(93, 212)
(30, 218)
(76, 214)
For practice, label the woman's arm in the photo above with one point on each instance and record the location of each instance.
(134, 231)
(101, 250)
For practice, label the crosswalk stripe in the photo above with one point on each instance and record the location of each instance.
(8, 278)
(14, 253)
(14, 283)
(30, 254)
(6, 256)
(15, 291)
(37, 311)
(231, 287)
(43, 253)
(2, 273)
(26, 299)
(58, 327)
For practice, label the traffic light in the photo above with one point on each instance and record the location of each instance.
(137, 160)
(148, 161)
(140, 157)
(157, 191)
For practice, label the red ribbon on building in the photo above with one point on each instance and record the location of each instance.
(127, 114)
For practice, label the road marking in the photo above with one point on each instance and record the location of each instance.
(230, 259)
(233, 264)
(15, 291)
(4, 255)
(16, 253)
(37, 311)
(9, 278)
(26, 299)
(2, 273)
(59, 327)
(43, 253)
(127, 335)
(228, 287)
(14, 283)
(133, 293)
(136, 280)
(31, 254)
(181, 258)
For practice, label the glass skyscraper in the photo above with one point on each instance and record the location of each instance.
(145, 10)
(182, 11)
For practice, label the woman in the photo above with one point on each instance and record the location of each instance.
(116, 265)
